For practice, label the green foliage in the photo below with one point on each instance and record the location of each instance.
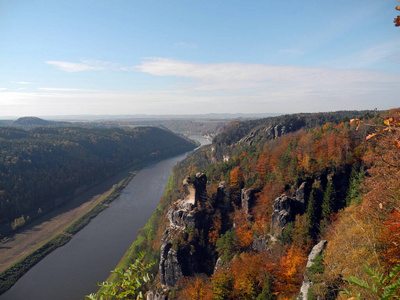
(267, 290)
(18, 222)
(380, 286)
(311, 212)
(46, 166)
(354, 191)
(131, 282)
(318, 266)
(227, 245)
(286, 236)
(328, 202)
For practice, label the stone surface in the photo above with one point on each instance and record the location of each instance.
(307, 284)
(185, 216)
(286, 208)
(260, 243)
(248, 200)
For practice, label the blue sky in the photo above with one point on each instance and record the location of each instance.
(190, 57)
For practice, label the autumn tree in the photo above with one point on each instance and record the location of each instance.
(237, 178)
(193, 288)
(291, 270)
(244, 233)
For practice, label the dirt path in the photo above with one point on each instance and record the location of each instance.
(44, 228)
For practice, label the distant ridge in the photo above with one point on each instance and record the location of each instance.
(169, 117)
(31, 122)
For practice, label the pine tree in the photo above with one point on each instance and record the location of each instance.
(356, 178)
(311, 212)
(328, 202)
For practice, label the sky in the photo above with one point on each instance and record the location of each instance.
(123, 57)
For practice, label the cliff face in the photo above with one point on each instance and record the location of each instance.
(182, 253)
(286, 208)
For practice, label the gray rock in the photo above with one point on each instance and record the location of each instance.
(260, 243)
(184, 213)
(286, 208)
(155, 295)
(218, 265)
(307, 283)
(282, 214)
(170, 268)
(300, 193)
(248, 200)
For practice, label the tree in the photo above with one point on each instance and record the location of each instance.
(378, 286)
(328, 202)
(227, 245)
(312, 212)
(354, 190)
(130, 282)
(237, 178)
(397, 19)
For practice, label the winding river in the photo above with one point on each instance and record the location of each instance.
(70, 272)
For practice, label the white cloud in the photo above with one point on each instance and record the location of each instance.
(22, 82)
(387, 52)
(86, 65)
(222, 87)
(67, 90)
(238, 76)
(3, 89)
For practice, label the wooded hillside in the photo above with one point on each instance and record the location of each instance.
(270, 191)
(45, 166)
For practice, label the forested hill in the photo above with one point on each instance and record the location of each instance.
(43, 167)
(246, 212)
(31, 122)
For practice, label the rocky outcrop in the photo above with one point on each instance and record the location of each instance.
(186, 219)
(286, 208)
(268, 133)
(260, 243)
(307, 283)
(152, 295)
(248, 200)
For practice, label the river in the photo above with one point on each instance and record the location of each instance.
(70, 272)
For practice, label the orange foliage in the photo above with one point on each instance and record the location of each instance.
(263, 208)
(243, 231)
(194, 288)
(291, 270)
(248, 275)
(213, 235)
(236, 178)
(241, 280)
(392, 237)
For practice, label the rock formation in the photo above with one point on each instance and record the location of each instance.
(286, 208)
(248, 200)
(307, 284)
(186, 219)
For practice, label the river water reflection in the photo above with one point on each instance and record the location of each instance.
(70, 271)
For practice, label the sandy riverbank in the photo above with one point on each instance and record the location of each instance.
(43, 229)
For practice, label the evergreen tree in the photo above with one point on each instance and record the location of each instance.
(328, 202)
(356, 178)
(311, 212)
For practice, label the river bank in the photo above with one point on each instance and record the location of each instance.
(70, 271)
(21, 252)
